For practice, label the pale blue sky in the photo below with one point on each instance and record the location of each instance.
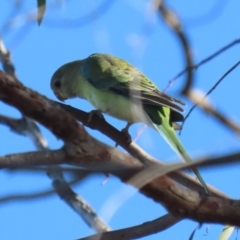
(38, 51)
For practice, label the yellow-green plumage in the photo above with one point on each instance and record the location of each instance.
(117, 88)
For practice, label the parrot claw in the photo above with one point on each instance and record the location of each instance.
(125, 132)
(176, 126)
(94, 112)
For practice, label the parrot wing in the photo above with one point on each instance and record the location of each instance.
(109, 73)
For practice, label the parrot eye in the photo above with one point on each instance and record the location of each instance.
(57, 84)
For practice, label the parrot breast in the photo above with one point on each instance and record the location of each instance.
(115, 105)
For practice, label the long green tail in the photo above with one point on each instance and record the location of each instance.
(168, 133)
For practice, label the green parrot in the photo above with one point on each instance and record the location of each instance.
(115, 87)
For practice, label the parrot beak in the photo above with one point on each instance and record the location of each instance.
(59, 97)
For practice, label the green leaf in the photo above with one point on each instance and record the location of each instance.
(41, 10)
(226, 232)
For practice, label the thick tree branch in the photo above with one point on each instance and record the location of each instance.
(26, 126)
(102, 126)
(82, 149)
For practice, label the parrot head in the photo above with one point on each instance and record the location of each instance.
(63, 80)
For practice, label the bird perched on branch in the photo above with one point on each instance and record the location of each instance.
(115, 87)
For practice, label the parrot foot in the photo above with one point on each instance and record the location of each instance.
(94, 112)
(125, 132)
(176, 126)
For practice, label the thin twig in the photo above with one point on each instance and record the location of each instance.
(206, 18)
(172, 20)
(66, 23)
(138, 231)
(33, 196)
(5, 58)
(205, 60)
(209, 109)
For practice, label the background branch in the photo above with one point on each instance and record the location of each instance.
(157, 54)
(26, 126)
(138, 231)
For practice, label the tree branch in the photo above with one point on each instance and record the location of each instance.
(138, 231)
(82, 149)
(172, 20)
(76, 202)
(105, 128)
